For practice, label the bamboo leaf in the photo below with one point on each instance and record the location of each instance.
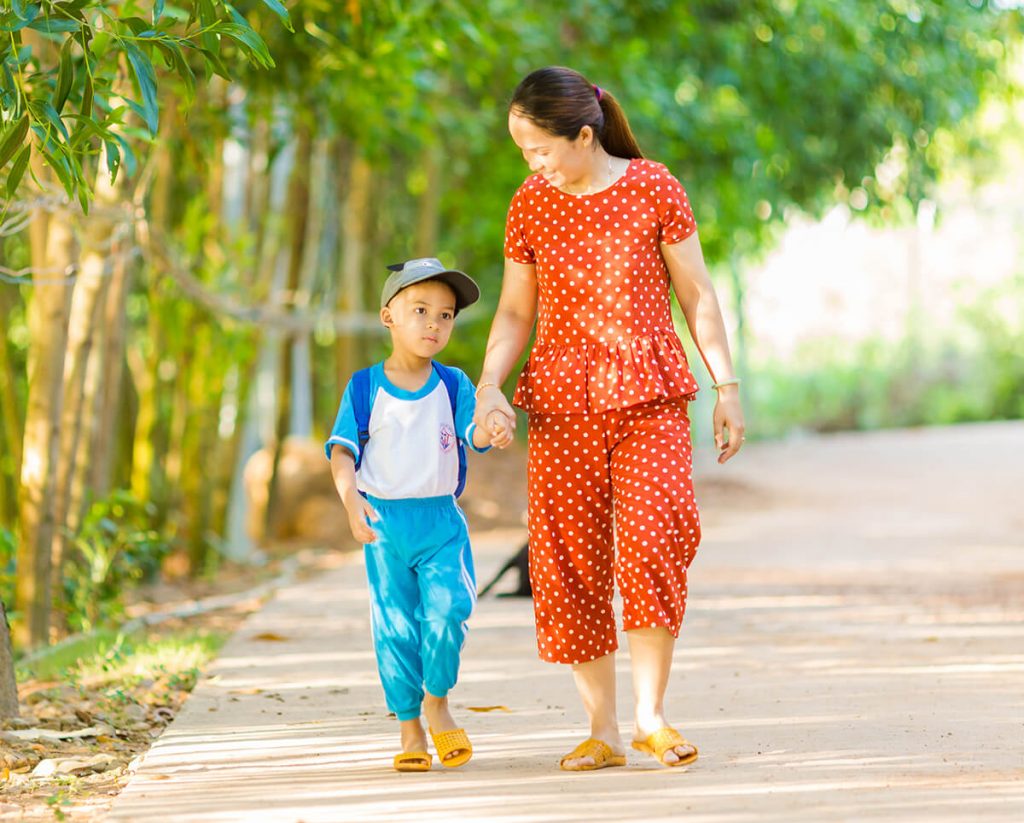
(113, 159)
(250, 41)
(49, 114)
(54, 25)
(13, 140)
(158, 9)
(146, 77)
(87, 97)
(18, 170)
(65, 76)
(279, 9)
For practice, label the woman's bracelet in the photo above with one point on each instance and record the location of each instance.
(732, 381)
(483, 386)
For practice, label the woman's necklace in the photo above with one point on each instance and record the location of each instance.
(590, 188)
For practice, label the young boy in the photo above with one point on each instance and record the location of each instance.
(398, 478)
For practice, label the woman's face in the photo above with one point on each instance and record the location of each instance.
(562, 162)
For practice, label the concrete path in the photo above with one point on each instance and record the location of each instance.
(854, 651)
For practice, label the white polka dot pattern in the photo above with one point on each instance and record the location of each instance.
(605, 338)
(627, 473)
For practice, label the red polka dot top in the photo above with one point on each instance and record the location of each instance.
(605, 338)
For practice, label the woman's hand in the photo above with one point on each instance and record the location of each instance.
(490, 399)
(728, 420)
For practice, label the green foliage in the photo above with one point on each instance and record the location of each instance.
(8, 553)
(115, 548)
(59, 92)
(974, 373)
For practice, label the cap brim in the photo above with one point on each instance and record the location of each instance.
(466, 290)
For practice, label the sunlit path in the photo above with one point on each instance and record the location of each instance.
(854, 650)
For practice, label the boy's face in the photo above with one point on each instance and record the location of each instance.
(420, 318)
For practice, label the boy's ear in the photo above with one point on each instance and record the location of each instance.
(386, 318)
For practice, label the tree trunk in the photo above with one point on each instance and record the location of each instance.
(297, 210)
(47, 322)
(428, 218)
(355, 224)
(8, 685)
(11, 424)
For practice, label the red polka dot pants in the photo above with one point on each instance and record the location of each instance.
(611, 502)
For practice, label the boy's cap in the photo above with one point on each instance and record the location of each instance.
(429, 268)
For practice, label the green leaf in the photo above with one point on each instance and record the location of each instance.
(250, 41)
(87, 97)
(52, 25)
(18, 170)
(113, 159)
(158, 9)
(49, 114)
(279, 9)
(146, 77)
(13, 140)
(65, 76)
(208, 19)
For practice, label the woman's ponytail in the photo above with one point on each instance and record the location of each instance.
(562, 101)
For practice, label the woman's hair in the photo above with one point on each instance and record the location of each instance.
(562, 101)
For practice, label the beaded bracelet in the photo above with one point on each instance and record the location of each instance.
(732, 381)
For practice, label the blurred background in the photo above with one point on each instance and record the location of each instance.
(200, 199)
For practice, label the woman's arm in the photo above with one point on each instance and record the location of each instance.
(692, 285)
(510, 332)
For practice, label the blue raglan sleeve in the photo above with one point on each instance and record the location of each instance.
(465, 407)
(345, 431)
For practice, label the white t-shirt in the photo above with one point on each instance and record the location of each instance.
(412, 450)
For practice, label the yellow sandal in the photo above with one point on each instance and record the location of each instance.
(413, 762)
(453, 747)
(602, 753)
(664, 740)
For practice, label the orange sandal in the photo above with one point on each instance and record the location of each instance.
(664, 740)
(602, 753)
(453, 747)
(413, 762)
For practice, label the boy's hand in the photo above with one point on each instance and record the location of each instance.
(359, 511)
(501, 428)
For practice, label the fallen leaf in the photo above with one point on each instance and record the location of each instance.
(489, 708)
(270, 636)
(246, 691)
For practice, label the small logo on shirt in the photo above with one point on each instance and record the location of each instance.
(447, 438)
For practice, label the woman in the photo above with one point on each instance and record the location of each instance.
(594, 238)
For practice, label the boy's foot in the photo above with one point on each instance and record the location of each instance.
(414, 739)
(452, 744)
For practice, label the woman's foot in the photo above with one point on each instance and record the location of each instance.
(608, 735)
(644, 728)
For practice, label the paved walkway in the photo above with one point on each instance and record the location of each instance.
(854, 650)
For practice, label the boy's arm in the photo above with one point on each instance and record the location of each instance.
(343, 470)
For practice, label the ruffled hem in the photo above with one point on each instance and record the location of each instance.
(599, 377)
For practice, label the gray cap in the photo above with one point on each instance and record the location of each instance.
(429, 268)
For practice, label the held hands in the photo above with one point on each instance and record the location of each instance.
(501, 427)
(728, 421)
(359, 512)
(494, 415)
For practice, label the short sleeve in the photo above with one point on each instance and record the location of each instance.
(465, 408)
(675, 217)
(517, 247)
(345, 431)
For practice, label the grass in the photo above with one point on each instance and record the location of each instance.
(108, 656)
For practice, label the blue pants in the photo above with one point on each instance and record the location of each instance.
(422, 591)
